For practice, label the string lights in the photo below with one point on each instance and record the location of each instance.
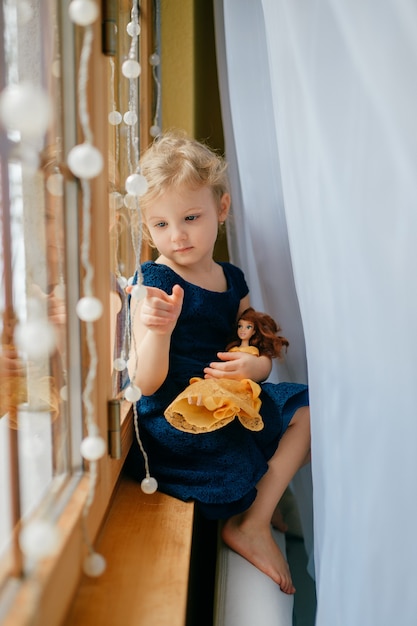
(135, 186)
(26, 109)
(86, 162)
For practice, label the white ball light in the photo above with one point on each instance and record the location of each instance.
(123, 282)
(136, 185)
(39, 539)
(115, 200)
(138, 292)
(131, 68)
(132, 393)
(154, 59)
(83, 12)
(89, 309)
(130, 118)
(131, 202)
(154, 131)
(36, 338)
(25, 108)
(85, 161)
(94, 565)
(115, 118)
(63, 392)
(55, 184)
(93, 448)
(133, 29)
(119, 364)
(149, 485)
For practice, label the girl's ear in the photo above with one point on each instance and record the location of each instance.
(224, 207)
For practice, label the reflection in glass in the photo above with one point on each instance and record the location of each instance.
(34, 444)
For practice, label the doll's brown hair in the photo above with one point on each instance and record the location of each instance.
(265, 337)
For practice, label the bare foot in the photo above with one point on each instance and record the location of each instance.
(258, 547)
(277, 521)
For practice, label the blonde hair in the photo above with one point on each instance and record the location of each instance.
(174, 159)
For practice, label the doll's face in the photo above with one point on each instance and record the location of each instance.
(245, 330)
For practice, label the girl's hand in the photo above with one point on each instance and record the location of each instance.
(239, 365)
(57, 310)
(10, 364)
(159, 311)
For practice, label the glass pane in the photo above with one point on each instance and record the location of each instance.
(34, 421)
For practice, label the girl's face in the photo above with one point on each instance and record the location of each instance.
(245, 330)
(184, 222)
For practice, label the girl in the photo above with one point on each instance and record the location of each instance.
(178, 331)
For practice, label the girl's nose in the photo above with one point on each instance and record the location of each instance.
(178, 234)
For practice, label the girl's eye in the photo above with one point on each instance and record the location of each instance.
(191, 218)
(160, 225)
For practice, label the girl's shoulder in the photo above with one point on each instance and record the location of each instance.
(235, 277)
(163, 277)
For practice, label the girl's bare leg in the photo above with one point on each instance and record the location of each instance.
(249, 534)
(278, 521)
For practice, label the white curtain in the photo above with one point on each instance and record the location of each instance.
(319, 99)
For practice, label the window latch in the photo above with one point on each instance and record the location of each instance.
(114, 435)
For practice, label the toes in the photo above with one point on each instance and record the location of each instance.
(287, 587)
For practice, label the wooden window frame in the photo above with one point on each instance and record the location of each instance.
(44, 595)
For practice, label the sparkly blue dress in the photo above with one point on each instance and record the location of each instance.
(218, 470)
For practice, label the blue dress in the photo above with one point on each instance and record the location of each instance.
(218, 470)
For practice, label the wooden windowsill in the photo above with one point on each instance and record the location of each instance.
(146, 541)
(43, 595)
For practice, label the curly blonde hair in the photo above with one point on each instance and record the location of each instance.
(174, 159)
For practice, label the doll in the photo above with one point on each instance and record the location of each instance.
(208, 404)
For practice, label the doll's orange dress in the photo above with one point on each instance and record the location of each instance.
(208, 404)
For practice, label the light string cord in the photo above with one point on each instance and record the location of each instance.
(158, 97)
(92, 447)
(87, 289)
(113, 99)
(85, 55)
(131, 70)
(135, 186)
(133, 91)
(88, 277)
(134, 137)
(154, 60)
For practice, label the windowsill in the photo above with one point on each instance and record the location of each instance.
(146, 541)
(44, 595)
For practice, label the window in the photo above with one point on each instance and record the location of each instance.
(46, 361)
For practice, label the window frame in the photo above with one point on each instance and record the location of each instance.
(43, 595)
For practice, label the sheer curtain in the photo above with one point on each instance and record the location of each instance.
(319, 99)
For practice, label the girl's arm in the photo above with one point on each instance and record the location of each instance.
(239, 365)
(153, 320)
